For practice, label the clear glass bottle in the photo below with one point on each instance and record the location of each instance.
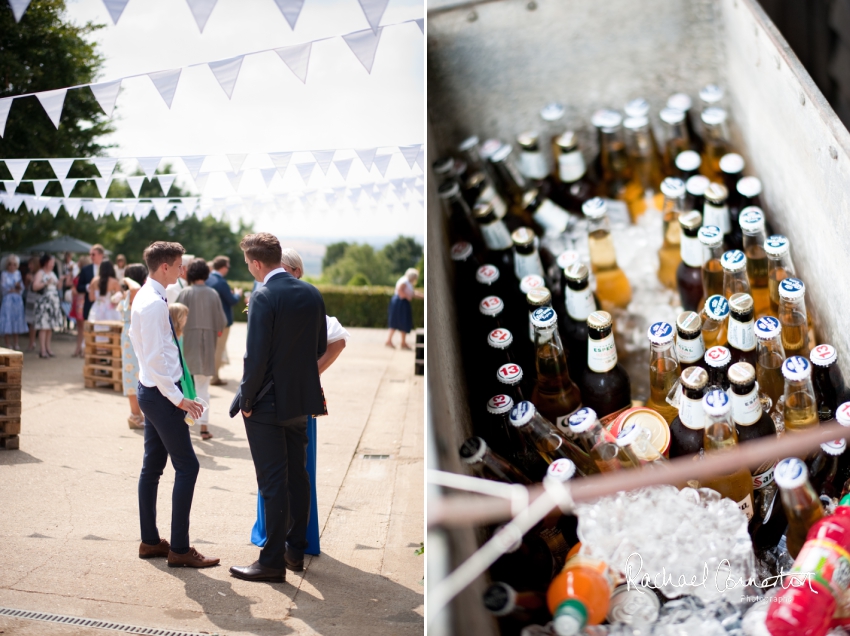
(715, 136)
(477, 455)
(715, 321)
(742, 339)
(771, 355)
(526, 258)
(610, 120)
(687, 428)
(711, 239)
(500, 435)
(715, 210)
(718, 360)
(605, 386)
(573, 184)
(800, 406)
(636, 442)
(696, 187)
(689, 274)
(732, 169)
(674, 137)
(510, 184)
(800, 501)
(683, 102)
(663, 369)
(690, 346)
(669, 256)
(580, 303)
(687, 166)
(561, 471)
(827, 380)
(617, 173)
(535, 299)
(554, 124)
(793, 316)
(735, 280)
(598, 442)
(612, 286)
(751, 221)
(645, 161)
(779, 267)
(555, 395)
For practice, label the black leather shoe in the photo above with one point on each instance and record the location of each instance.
(293, 565)
(258, 572)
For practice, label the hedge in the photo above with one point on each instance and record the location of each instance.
(352, 306)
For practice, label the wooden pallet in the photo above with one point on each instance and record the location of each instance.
(103, 350)
(10, 408)
(11, 358)
(12, 442)
(107, 339)
(10, 393)
(99, 372)
(419, 368)
(10, 376)
(420, 336)
(103, 383)
(101, 361)
(104, 326)
(10, 426)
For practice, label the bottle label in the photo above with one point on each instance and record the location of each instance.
(718, 217)
(691, 413)
(489, 195)
(764, 478)
(741, 335)
(691, 250)
(746, 409)
(746, 506)
(552, 218)
(571, 166)
(825, 562)
(557, 546)
(563, 423)
(532, 164)
(601, 354)
(690, 350)
(580, 304)
(496, 236)
(525, 264)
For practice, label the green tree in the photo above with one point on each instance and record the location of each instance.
(360, 259)
(402, 253)
(333, 253)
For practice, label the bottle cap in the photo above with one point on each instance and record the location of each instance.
(673, 188)
(599, 320)
(713, 116)
(732, 163)
(489, 147)
(694, 378)
(636, 123)
(482, 209)
(672, 115)
(842, 414)
(443, 166)
(448, 189)
(502, 153)
(688, 160)
(661, 332)
(751, 219)
(823, 355)
(595, 208)
(570, 618)
(475, 180)
(538, 297)
(791, 473)
(697, 185)
(796, 368)
(689, 322)
(577, 272)
(777, 245)
(500, 404)
(532, 281)
(690, 220)
(523, 237)
(491, 306)
(733, 261)
(717, 307)
(461, 251)
(716, 403)
(792, 289)
(582, 420)
(522, 413)
(740, 303)
(711, 93)
(638, 107)
(529, 197)
(487, 274)
(629, 432)
(710, 236)
(500, 338)
(716, 193)
(835, 447)
(767, 328)
(500, 599)
(468, 144)
(741, 374)
(567, 142)
(749, 186)
(552, 111)
(606, 118)
(528, 139)
(561, 470)
(567, 258)
(509, 374)
(473, 450)
(718, 356)
(544, 317)
(679, 101)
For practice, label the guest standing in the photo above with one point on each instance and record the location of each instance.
(135, 276)
(120, 265)
(206, 321)
(31, 298)
(229, 297)
(400, 312)
(87, 274)
(12, 319)
(48, 313)
(78, 303)
(105, 292)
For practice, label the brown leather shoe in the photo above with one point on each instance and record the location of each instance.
(151, 551)
(218, 382)
(192, 559)
(258, 572)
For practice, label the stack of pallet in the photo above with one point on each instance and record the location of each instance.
(419, 369)
(102, 366)
(11, 367)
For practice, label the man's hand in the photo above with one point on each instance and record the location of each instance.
(192, 408)
(248, 414)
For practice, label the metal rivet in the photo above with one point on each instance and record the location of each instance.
(833, 152)
(472, 16)
(802, 99)
(531, 6)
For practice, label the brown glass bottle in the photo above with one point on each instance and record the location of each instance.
(689, 279)
(718, 360)
(460, 223)
(732, 169)
(686, 429)
(555, 395)
(715, 210)
(605, 386)
(497, 237)
(477, 455)
(690, 347)
(683, 102)
(716, 139)
(742, 338)
(502, 437)
(827, 380)
(687, 166)
(573, 185)
(580, 303)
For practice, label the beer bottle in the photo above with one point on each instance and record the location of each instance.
(718, 360)
(735, 280)
(617, 176)
(598, 442)
(580, 303)
(720, 437)
(479, 190)
(480, 181)
(682, 102)
(732, 168)
(824, 469)
(690, 347)
(535, 299)
(751, 221)
(612, 286)
(510, 445)
(689, 272)
(800, 407)
(549, 442)
(605, 387)
(497, 237)
(554, 125)
(827, 381)
(465, 266)
(711, 239)
(604, 120)
(749, 189)
(779, 267)
(687, 165)
(559, 291)
(492, 314)
(645, 160)
(663, 369)
(560, 472)
(715, 136)
(674, 137)
(771, 355)
(687, 428)
(532, 160)
(573, 183)
(477, 455)
(636, 442)
(800, 501)
(555, 394)
(792, 315)
(500, 350)
(444, 169)
(742, 338)
(530, 561)
(472, 153)
(460, 218)
(695, 187)
(515, 609)
(526, 259)
(711, 95)
(510, 184)
(715, 321)
(552, 218)
(670, 255)
(842, 416)
(510, 375)
(527, 284)
(715, 211)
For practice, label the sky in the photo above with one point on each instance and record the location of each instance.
(340, 107)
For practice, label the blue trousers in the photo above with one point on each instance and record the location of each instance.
(258, 532)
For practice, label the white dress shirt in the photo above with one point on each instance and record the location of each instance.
(153, 342)
(274, 272)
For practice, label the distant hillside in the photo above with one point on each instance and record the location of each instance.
(313, 250)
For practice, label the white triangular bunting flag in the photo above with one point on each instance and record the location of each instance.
(53, 205)
(420, 159)
(290, 9)
(39, 185)
(149, 165)
(162, 207)
(181, 211)
(410, 153)
(354, 194)
(99, 207)
(103, 184)
(5, 105)
(236, 161)
(18, 8)
(115, 8)
(227, 72)
(85, 204)
(72, 206)
(10, 186)
(61, 167)
(201, 181)
(398, 184)
(343, 165)
(193, 164)
(305, 170)
(165, 83)
(235, 179)
(268, 175)
(106, 93)
(52, 102)
(68, 186)
(105, 165)
(374, 11)
(142, 210)
(190, 203)
(297, 58)
(29, 201)
(323, 158)
(367, 156)
(165, 181)
(421, 24)
(201, 10)
(280, 160)
(381, 163)
(135, 184)
(364, 44)
(17, 167)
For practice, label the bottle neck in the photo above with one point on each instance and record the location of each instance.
(691, 413)
(691, 250)
(579, 300)
(690, 348)
(741, 331)
(716, 214)
(496, 235)
(532, 163)
(746, 406)
(719, 433)
(571, 166)
(601, 350)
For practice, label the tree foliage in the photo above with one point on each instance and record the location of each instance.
(356, 264)
(333, 253)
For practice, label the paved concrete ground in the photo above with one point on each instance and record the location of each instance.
(69, 521)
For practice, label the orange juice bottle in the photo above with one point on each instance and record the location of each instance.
(579, 596)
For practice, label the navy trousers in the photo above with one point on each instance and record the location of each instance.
(166, 435)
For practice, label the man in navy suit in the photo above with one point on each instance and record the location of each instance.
(87, 273)
(287, 334)
(229, 297)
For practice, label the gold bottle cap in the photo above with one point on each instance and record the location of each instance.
(740, 303)
(716, 193)
(690, 220)
(689, 322)
(694, 378)
(528, 140)
(475, 180)
(529, 197)
(577, 272)
(523, 236)
(567, 142)
(482, 210)
(599, 320)
(539, 297)
(741, 373)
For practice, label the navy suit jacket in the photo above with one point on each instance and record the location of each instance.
(86, 276)
(219, 283)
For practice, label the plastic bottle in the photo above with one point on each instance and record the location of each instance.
(579, 596)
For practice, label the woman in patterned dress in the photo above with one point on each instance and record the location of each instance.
(48, 312)
(12, 321)
(135, 276)
(30, 299)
